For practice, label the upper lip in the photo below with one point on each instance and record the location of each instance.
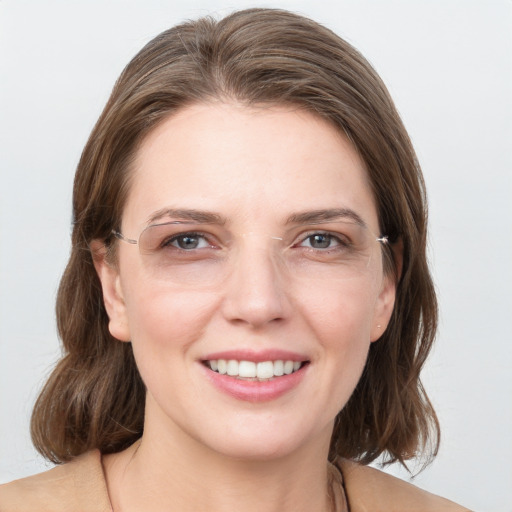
(256, 356)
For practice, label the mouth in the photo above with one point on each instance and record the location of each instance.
(261, 371)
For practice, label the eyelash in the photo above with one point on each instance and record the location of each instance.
(340, 242)
(169, 242)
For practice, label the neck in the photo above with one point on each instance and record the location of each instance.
(173, 472)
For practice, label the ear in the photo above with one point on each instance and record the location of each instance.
(112, 292)
(386, 299)
(383, 307)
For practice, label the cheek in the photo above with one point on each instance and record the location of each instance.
(166, 319)
(342, 311)
(340, 319)
(164, 325)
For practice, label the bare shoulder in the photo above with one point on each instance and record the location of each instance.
(77, 485)
(370, 489)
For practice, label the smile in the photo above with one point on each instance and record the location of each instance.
(260, 371)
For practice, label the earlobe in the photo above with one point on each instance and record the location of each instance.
(112, 292)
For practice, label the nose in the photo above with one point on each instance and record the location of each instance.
(256, 294)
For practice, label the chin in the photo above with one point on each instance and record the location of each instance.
(270, 443)
(259, 452)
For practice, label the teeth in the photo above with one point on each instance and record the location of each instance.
(221, 366)
(249, 370)
(265, 370)
(232, 368)
(279, 368)
(246, 369)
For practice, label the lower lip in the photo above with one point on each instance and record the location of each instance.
(256, 391)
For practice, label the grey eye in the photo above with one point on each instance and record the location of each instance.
(189, 241)
(319, 241)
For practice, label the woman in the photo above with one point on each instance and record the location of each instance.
(247, 305)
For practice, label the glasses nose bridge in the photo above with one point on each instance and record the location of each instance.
(248, 235)
(257, 292)
(258, 263)
(256, 249)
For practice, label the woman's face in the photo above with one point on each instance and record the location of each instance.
(252, 311)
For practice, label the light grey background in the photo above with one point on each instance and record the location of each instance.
(448, 65)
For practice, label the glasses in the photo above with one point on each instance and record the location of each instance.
(183, 253)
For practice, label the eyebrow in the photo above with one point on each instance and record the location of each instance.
(327, 215)
(306, 217)
(199, 216)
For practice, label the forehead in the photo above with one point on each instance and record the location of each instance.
(247, 163)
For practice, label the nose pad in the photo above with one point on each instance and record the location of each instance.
(255, 292)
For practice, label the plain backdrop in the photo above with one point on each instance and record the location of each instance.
(448, 65)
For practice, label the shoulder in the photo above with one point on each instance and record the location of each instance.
(76, 485)
(369, 489)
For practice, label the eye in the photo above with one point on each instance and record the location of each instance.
(321, 241)
(188, 241)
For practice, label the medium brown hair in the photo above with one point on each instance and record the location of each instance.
(95, 396)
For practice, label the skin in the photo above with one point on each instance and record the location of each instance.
(203, 449)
